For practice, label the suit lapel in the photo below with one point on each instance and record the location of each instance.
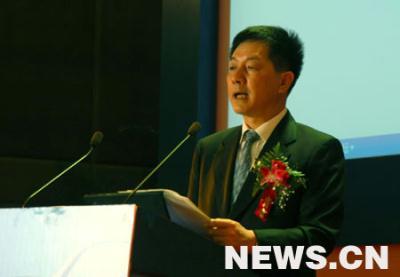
(224, 166)
(285, 134)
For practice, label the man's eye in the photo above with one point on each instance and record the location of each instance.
(232, 67)
(250, 67)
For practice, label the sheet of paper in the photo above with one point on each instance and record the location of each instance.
(183, 211)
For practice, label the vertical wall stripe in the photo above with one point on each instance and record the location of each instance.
(207, 66)
(222, 64)
(96, 61)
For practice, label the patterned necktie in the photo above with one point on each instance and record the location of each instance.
(243, 162)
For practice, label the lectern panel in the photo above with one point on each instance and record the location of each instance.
(66, 241)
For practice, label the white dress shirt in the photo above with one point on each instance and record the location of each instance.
(264, 131)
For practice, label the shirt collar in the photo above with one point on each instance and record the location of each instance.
(266, 129)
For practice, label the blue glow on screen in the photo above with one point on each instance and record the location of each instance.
(350, 84)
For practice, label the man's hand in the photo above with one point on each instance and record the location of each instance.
(229, 232)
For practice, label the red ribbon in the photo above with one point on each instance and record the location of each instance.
(265, 204)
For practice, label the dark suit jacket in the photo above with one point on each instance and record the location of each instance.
(313, 216)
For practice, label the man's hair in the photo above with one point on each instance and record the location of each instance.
(285, 47)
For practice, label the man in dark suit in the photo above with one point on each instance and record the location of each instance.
(264, 65)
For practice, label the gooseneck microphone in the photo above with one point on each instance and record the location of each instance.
(193, 129)
(96, 139)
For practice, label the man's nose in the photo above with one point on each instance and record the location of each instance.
(238, 77)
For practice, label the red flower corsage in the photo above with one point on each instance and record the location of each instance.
(277, 180)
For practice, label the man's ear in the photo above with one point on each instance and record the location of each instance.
(287, 78)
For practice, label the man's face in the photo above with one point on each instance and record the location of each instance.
(254, 86)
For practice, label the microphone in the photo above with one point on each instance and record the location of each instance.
(193, 129)
(96, 139)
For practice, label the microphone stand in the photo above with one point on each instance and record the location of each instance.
(132, 192)
(55, 178)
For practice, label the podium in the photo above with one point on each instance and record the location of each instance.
(105, 239)
(162, 248)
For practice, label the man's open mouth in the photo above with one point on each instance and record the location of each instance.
(240, 95)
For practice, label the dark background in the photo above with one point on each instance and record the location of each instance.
(128, 68)
(141, 72)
